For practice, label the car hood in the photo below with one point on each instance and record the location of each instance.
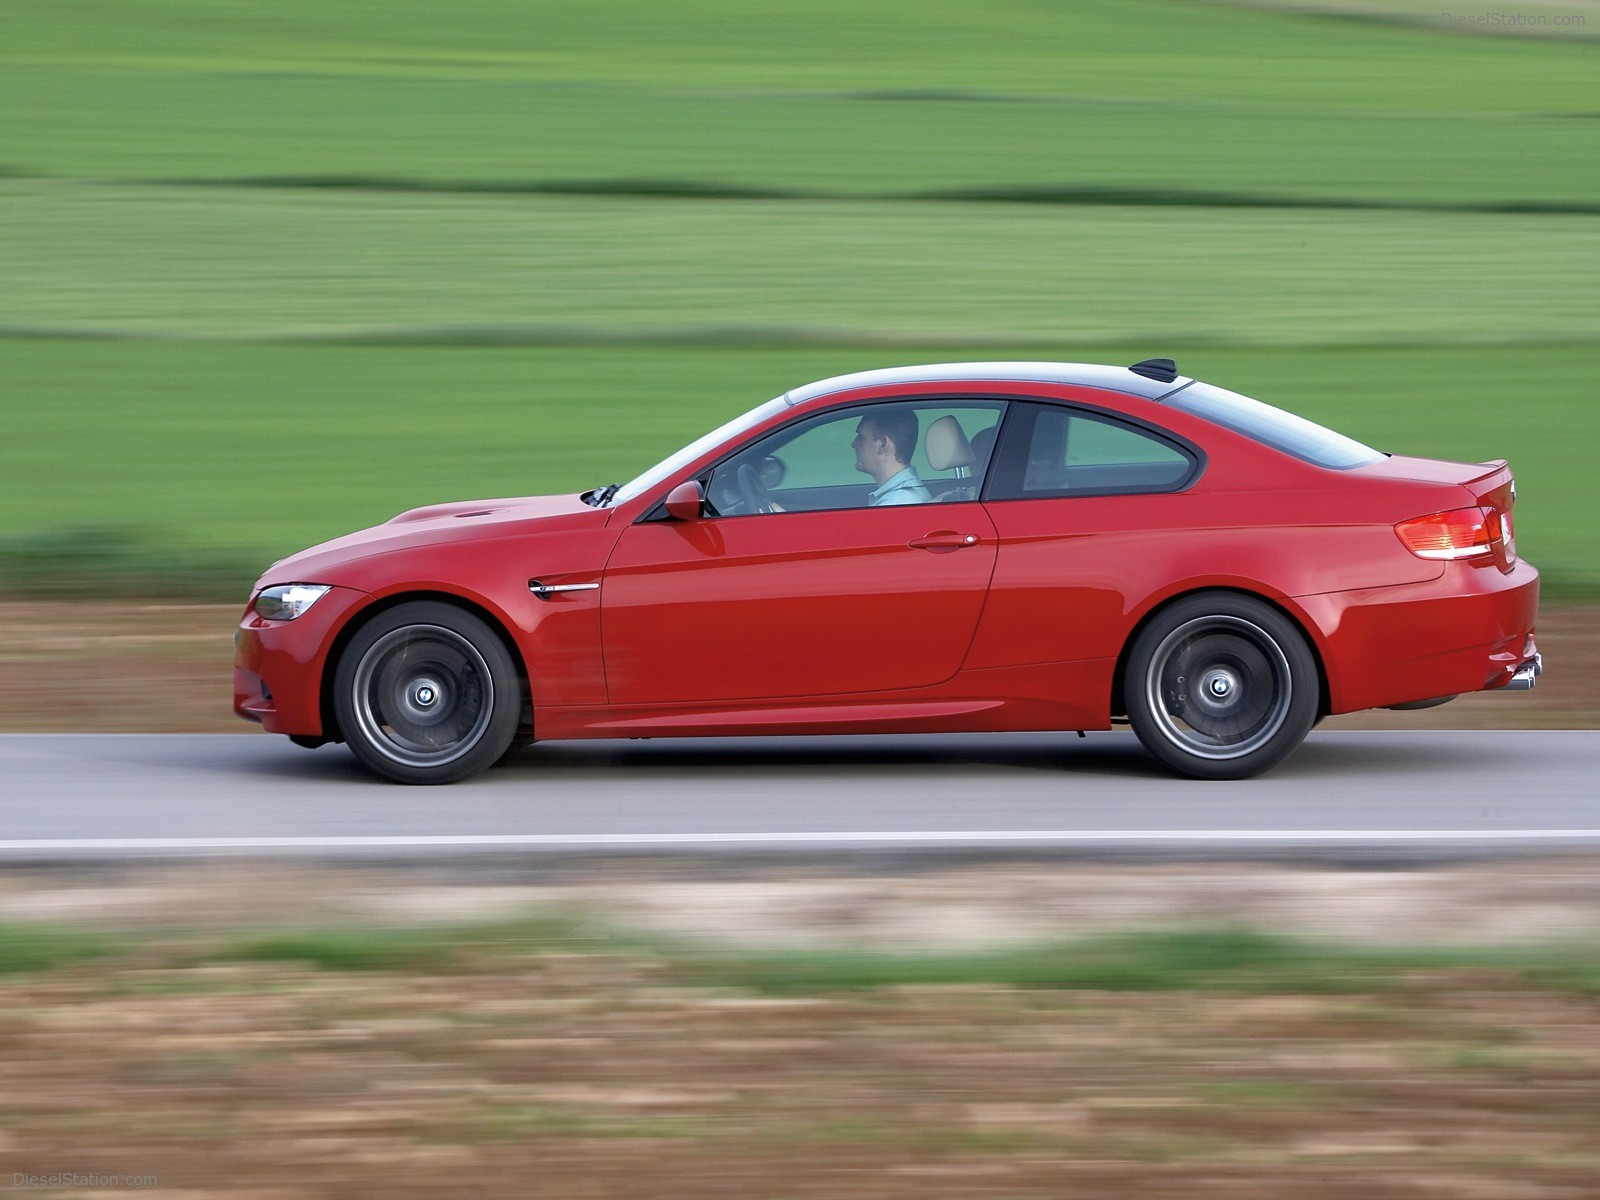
(462, 521)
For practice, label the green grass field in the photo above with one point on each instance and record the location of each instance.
(266, 276)
(243, 262)
(1148, 97)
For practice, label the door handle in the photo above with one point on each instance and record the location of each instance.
(945, 539)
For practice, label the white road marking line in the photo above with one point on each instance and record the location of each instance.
(954, 837)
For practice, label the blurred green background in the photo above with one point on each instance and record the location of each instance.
(270, 273)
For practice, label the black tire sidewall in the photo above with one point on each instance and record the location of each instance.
(505, 715)
(1304, 682)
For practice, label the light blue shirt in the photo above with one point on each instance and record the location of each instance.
(903, 488)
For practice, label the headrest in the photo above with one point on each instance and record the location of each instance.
(946, 446)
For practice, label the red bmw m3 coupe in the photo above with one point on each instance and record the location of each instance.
(964, 547)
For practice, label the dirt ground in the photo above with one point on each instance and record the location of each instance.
(759, 903)
(119, 668)
(598, 1075)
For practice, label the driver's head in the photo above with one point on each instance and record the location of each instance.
(885, 438)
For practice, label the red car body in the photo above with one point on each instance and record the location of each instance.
(975, 614)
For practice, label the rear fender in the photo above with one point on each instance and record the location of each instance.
(1288, 605)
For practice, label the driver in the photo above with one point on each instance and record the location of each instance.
(885, 440)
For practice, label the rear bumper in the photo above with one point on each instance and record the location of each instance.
(278, 665)
(1469, 630)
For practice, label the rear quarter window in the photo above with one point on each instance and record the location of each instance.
(1305, 440)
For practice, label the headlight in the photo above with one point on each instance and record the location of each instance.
(288, 601)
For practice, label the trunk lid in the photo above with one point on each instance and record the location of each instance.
(1438, 470)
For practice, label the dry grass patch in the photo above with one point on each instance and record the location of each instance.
(310, 1048)
(593, 1075)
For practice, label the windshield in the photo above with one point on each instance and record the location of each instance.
(667, 467)
(1272, 426)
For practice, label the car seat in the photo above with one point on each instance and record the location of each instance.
(947, 449)
(983, 447)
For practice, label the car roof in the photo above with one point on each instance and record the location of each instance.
(1094, 375)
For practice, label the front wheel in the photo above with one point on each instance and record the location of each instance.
(427, 693)
(1221, 686)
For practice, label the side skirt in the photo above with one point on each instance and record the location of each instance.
(1054, 696)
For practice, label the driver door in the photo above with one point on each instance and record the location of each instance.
(826, 596)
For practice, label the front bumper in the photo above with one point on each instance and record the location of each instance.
(278, 665)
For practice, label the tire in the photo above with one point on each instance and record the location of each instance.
(427, 693)
(1221, 686)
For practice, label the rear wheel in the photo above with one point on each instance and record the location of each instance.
(1221, 686)
(427, 693)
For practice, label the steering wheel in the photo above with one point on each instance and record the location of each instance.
(753, 492)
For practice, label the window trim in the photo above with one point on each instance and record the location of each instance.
(1010, 453)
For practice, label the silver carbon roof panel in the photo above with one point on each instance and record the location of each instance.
(1095, 375)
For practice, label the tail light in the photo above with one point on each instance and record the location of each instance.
(1459, 533)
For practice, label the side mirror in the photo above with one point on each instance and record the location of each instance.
(684, 502)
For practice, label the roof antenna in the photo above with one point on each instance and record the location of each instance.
(1162, 370)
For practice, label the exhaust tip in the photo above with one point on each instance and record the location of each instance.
(1523, 677)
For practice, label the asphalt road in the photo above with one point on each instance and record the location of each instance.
(85, 796)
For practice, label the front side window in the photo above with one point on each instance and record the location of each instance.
(865, 456)
(668, 467)
(1058, 451)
